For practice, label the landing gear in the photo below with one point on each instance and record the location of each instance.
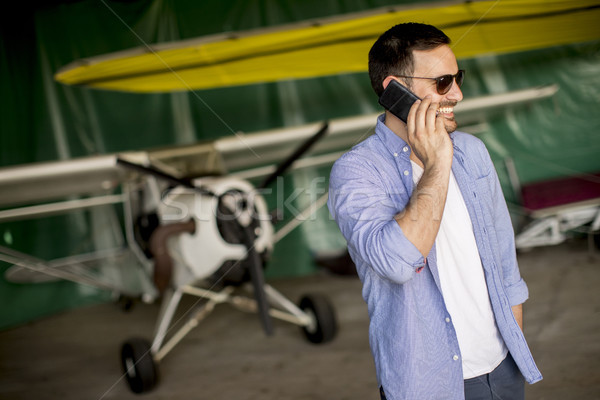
(314, 314)
(323, 325)
(138, 365)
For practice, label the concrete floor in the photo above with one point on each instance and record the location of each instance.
(75, 355)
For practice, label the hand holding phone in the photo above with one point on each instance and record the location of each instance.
(433, 143)
(397, 99)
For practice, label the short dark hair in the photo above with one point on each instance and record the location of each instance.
(392, 53)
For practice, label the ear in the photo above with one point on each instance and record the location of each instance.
(387, 80)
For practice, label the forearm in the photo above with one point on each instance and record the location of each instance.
(420, 220)
(518, 313)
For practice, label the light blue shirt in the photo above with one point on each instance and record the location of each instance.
(411, 334)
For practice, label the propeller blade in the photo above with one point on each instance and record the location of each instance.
(295, 155)
(258, 283)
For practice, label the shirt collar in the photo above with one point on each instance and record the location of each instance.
(393, 143)
(396, 145)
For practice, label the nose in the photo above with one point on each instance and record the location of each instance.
(455, 94)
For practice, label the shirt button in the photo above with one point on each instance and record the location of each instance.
(405, 149)
(406, 172)
(447, 319)
(395, 154)
(455, 358)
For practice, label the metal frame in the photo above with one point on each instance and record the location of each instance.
(56, 268)
(550, 226)
(286, 311)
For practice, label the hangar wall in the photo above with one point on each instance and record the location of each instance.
(42, 120)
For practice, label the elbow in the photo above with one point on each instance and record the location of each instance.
(386, 261)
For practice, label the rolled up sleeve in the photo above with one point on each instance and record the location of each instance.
(517, 293)
(365, 211)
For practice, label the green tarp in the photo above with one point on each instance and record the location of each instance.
(43, 120)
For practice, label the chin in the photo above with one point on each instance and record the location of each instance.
(450, 124)
(450, 127)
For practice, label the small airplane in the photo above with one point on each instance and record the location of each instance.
(553, 208)
(208, 236)
(194, 224)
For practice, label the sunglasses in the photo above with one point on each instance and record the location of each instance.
(443, 83)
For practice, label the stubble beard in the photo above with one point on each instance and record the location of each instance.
(449, 123)
(450, 127)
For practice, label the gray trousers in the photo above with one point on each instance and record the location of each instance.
(503, 383)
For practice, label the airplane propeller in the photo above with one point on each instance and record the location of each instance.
(226, 218)
(303, 148)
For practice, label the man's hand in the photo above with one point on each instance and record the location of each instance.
(427, 135)
(430, 142)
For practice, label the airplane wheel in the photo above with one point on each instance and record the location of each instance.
(138, 365)
(323, 327)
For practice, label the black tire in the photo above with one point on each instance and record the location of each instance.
(138, 365)
(324, 326)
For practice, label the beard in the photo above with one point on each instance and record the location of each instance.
(449, 122)
(450, 125)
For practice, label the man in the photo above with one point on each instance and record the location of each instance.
(427, 226)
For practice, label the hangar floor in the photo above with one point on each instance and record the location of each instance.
(75, 355)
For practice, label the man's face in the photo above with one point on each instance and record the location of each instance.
(432, 64)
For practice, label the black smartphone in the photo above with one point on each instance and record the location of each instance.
(397, 99)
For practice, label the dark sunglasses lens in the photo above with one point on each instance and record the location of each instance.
(444, 83)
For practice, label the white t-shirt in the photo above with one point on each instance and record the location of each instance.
(463, 286)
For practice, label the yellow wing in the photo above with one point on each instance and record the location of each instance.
(333, 46)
